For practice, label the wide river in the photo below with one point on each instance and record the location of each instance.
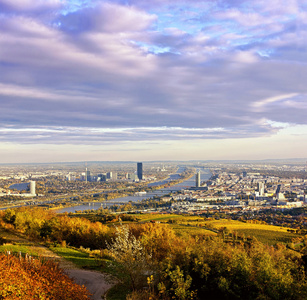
(204, 175)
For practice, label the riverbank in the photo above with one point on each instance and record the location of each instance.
(176, 186)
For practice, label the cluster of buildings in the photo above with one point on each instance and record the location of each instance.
(88, 177)
(244, 190)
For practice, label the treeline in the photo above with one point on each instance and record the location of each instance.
(142, 205)
(44, 224)
(28, 279)
(176, 267)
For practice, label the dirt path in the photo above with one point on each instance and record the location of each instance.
(97, 283)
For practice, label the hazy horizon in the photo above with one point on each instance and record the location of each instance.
(302, 160)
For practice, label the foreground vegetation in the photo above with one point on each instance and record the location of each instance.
(175, 257)
(27, 278)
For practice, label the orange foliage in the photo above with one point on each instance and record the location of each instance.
(28, 280)
(40, 223)
(158, 239)
(76, 231)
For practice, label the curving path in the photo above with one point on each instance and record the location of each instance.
(97, 283)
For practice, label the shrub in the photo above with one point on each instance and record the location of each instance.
(29, 279)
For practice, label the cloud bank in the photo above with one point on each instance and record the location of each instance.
(106, 71)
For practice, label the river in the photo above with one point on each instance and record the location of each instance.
(204, 175)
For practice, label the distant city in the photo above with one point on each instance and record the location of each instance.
(88, 177)
(230, 187)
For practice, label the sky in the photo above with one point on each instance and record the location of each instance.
(152, 80)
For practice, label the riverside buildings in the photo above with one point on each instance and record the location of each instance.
(247, 192)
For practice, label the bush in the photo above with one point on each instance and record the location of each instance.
(29, 279)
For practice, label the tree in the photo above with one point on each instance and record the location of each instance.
(131, 255)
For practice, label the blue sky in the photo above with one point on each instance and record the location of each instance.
(152, 80)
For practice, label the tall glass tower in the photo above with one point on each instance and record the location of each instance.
(140, 170)
(87, 175)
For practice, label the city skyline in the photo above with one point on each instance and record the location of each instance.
(152, 80)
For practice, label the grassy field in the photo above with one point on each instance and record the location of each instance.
(238, 225)
(156, 217)
(182, 229)
(267, 234)
(195, 225)
(79, 258)
(16, 244)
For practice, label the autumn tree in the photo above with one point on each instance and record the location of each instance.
(131, 256)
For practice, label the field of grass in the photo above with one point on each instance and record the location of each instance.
(267, 234)
(195, 225)
(15, 249)
(156, 217)
(182, 230)
(16, 244)
(237, 225)
(79, 258)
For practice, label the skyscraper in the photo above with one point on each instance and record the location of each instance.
(87, 175)
(197, 179)
(140, 170)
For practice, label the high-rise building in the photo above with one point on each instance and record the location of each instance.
(261, 188)
(197, 179)
(32, 187)
(87, 175)
(109, 175)
(140, 170)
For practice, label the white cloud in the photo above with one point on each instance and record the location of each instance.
(101, 136)
(92, 71)
(261, 104)
(33, 6)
